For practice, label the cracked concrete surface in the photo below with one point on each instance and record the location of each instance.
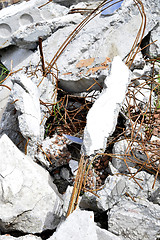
(29, 200)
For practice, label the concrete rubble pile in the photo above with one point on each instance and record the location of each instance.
(34, 197)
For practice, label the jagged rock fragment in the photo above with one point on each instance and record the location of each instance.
(29, 201)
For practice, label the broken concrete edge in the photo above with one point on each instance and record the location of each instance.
(29, 189)
(102, 117)
(22, 107)
(25, 14)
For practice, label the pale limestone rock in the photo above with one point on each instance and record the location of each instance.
(29, 201)
(102, 117)
(135, 220)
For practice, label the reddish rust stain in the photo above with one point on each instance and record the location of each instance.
(95, 69)
(105, 63)
(68, 73)
(85, 62)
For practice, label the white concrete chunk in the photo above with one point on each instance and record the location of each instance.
(114, 188)
(29, 201)
(14, 56)
(66, 198)
(102, 117)
(154, 49)
(101, 39)
(144, 190)
(103, 234)
(27, 103)
(135, 220)
(79, 225)
(4, 94)
(119, 159)
(155, 196)
(17, 17)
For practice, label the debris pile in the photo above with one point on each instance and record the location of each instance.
(79, 120)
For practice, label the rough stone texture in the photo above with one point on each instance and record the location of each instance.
(26, 97)
(114, 188)
(27, 37)
(66, 198)
(73, 166)
(103, 234)
(84, 7)
(87, 57)
(14, 54)
(138, 62)
(79, 225)
(29, 201)
(23, 117)
(120, 149)
(155, 196)
(56, 150)
(15, 18)
(4, 94)
(47, 94)
(154, 49)
(102, 117)
(9, 125)
(117, 186)
(26, 237)
(135, 220)
(142, 187)
(141, 90)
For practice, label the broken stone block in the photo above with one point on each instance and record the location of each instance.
(47, 95)
(29, 201)
(112, 191)
(114, 188)
(142, 187)
(78, 225)
(14, 54)
(17, 17)
(155, 196)
(24, 118)
(9, 125)
(56, 150)
(73, 166)
(154, 50)
(26, 237)
(120, 160)
(66, 198)
(21, 118)
(26, 97)
(135, 220)
(138, 62)
(103, 234)
(4, 94)
(27, 37)
(100, 40)
(102, 117)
